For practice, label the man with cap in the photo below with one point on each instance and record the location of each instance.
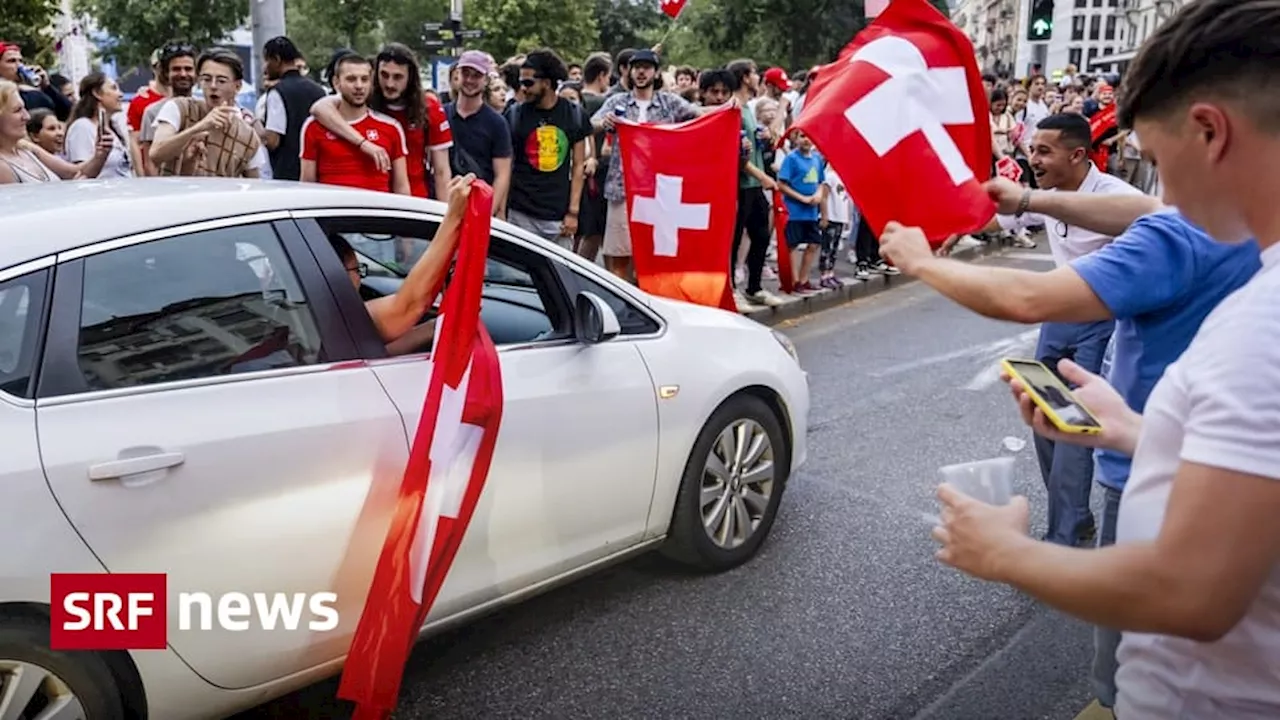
(776, 86)
(481, 137)
(644, 104)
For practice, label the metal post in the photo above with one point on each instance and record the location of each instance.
(267, 22)
(455, 19)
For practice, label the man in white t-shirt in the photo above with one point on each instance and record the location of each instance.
(1193, 580)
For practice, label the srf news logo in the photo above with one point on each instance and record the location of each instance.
(101, 611)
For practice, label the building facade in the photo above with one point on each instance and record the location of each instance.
(992, 25)
(1096, 36)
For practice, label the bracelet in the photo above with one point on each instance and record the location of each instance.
(1024, 203)
(362, 142)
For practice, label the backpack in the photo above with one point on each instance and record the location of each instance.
(460, 161)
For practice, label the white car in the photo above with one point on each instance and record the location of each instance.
(190, 385)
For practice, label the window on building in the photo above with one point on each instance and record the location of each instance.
(1106, 51)
(1095, 27)
(1077, 27)
(1073, 56)
(1082, 3)
(1093, 53)
(1111, 28)
(1113, 3)
(1097, 3)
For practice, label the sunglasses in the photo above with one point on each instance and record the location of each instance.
(361, 269)
(529, 82)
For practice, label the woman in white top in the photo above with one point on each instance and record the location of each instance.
(100, 98)
(22, 161)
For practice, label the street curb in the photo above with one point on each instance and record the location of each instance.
(827, 299)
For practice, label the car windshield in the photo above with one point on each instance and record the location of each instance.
(394, 255)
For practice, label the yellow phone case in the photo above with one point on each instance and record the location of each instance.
(1056, 420)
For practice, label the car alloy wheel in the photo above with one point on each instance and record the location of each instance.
(737, 483)
(30, 691)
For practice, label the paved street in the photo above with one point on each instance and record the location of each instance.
(845, 614)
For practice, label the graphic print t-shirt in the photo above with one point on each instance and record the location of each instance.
(338, 162)
(804, 174)
(541, 173)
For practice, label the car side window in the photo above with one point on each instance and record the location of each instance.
(21, 312)
(631, 319)
(210, 303)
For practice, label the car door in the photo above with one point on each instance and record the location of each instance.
(201, 414)
(573, 469)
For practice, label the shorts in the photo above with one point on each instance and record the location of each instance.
(593, 210)
(548, 230)
(617, 232)
(803, 232)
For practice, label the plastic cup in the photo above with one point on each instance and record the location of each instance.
(990, 481)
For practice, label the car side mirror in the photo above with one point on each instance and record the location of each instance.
(594, 321)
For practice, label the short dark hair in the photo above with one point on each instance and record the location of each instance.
(38, 116)
(545, 63)
(1222, 48)
(741, 68)
(1072, 128)
(988, 77)
(222, 56)
(998, 95)
(624, 58)
(58, 80)
(351, 59)
(281, 48)
(686, 70)
(597, 64)
(711, 78)
(173, 51)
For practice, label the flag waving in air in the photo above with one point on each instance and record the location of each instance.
(902, 115)
(673, 7)
(448, 463)
(682, 213)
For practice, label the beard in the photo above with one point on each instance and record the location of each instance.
(352, 100)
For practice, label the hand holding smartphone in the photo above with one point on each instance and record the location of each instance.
(1053, 397)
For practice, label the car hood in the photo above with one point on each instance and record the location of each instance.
(692, 315)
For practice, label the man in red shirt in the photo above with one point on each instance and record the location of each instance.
(398, 92)
(155, 91)
(328, 159)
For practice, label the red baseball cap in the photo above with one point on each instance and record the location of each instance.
(777, 77)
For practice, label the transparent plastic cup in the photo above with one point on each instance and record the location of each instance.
(990, 481)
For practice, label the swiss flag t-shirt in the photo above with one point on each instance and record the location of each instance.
(338, 162)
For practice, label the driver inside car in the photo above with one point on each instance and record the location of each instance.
(398, 317)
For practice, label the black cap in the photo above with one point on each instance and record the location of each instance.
(645, 56)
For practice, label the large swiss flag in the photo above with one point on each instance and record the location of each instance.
(682, 203)
(448, 464)
(903, 118)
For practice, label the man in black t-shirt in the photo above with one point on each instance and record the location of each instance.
(481, 137)
(595, 84)
(549, 138)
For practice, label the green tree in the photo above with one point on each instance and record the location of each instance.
(26, 23)
(402, 22)
(628, 24)
(141, 27)
(517, 26)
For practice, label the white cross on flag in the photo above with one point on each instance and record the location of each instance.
(448, 464)
(902, 117)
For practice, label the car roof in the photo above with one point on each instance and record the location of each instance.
(41, 219)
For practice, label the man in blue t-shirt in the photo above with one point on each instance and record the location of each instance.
(1159, 279)
(800, 179)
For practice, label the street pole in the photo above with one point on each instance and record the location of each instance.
(267, 21)
(455, 18)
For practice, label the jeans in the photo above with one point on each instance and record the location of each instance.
(1106, 640)
(1068, 469)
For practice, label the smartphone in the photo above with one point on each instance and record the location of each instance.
(1053, 397)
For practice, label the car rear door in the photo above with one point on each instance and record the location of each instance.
(201, 413)
(573, 470)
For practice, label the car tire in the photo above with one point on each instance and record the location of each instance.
(84, 676)
(689, 541)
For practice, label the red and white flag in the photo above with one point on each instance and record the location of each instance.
(682, 202)
(448, 464)
(903, 118)
(1009, 168)
(673, 7)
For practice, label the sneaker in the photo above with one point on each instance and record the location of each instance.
(741, 301)
(884, 268)
(853, 258)
(804, 288)
(764, 297)
(832, 283)
(862, 273)
(740, 277)
(1023, 240)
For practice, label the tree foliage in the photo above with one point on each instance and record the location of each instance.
(516, 26)
(26, 23)
(318, 27)
(628, 24)
(139, 27)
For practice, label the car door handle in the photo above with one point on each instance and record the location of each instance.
(135, 465)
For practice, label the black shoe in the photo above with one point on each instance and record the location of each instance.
(1088, 538)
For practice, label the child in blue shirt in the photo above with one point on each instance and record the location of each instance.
(800, 179)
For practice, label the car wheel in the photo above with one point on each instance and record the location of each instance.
(731, 487)
(36, 682)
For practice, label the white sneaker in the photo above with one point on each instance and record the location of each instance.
(764, 297)
(740, 276)
(742, 302)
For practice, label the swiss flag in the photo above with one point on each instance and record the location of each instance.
(448, 463)
(673, 7)
(903, 118)
(682, 202)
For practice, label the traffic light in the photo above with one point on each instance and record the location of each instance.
(1040, 22)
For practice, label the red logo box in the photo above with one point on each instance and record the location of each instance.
(104, 611)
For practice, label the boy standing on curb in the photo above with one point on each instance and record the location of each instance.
(800, 179)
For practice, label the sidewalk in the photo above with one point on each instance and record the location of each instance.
(794, 306)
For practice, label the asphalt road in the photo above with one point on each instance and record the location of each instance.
(844, 614)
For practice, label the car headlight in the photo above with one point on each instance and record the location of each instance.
(787, 345)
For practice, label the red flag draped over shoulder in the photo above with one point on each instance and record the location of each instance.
(682, 201)
(1102, 126)
(448, 463)
(903, 118)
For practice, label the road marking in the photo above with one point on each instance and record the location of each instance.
(1094, 711)
(1020, 345)
(1016, 255)
(988, 352)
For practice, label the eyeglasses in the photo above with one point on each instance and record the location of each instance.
(361, 269)
(221, 81)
